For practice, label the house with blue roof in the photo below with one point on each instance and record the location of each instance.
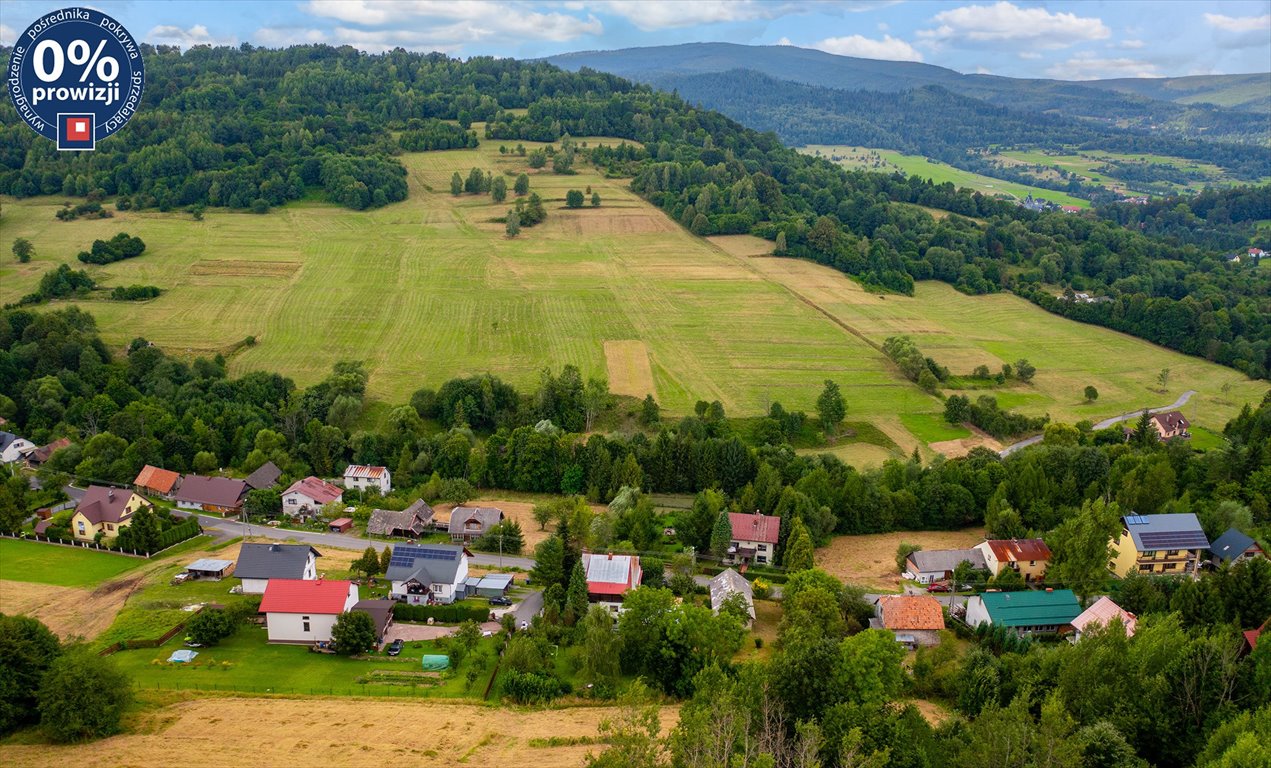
(1233, 547)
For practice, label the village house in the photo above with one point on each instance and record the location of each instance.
(930, 566)
(14, 448)
(265, 476)
(45, 452)
(218, 495)
(428, 573)
(364, 478)
(411, 522)
(1025, 613)
(1027, 557)
(914, 619)
(260, 563)
(154, 481)
(470, 523)
(304, 611)
(1161, 545)
(1233, 547)
(381, 613)
(308, 496)
(730, 582)
(609, 577)
(1171, 424)
(754, 538)
(105, 510)
(1101, 613)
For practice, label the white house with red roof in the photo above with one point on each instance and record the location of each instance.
(609, 576)
(309, 496)
(304, 611)
(754, 538)
(1101, 613)
(365, 478)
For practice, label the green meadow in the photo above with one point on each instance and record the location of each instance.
(60, 566)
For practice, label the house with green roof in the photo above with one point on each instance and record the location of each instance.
(1027, 613)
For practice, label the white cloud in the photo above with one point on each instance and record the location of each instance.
(1087, 66)
(471, 19)
(281, 37)
(672, 14)
(195, 35)
(1006, 22)
(887, 49)
(981, 70)
(1240, 31)
(1239, 23)
(1029, 55)
(7, 34)
(1133, 44)
(784, 41)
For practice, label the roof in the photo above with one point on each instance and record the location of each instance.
(273, 561)
(265, 476)
(1014, 550)
(1031, 609)
(42, 526)
(1231, 545)
(911, 612)
(317, 489)
(425, 563)
(498, 581)
(413, 519)
(361, 470)
(213, 491)
(380, 612)
(1173, 531)
(1101, 613)
(931, 560)
(156, 479)
(486, 516)
(7, 439)
(611, 574)
(1252, 635)
(1171, 421)
(207, 564)
(730, 582)
(342, 521)
(318, 596)
(42, 454)
(103, 504)
(756, 527)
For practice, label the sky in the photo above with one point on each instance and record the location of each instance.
(1071, 40)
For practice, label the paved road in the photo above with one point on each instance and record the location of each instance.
(1034, 440)
(229, 527)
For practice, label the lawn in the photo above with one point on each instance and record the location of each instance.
(63, 566)
(932, 428)
(938, 172)
(246, 662)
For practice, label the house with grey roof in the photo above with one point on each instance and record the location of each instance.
(14, 448)
(470, 523)
(929, 566)
(258, 563)
(265, 476)
(427, 573)
(728, 583)
(1159, 545)
(1232, 547)
(411, 522)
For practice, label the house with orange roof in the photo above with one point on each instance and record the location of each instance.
(154, 481)
(1101, 613)
(1027, 557)
(366, 478)
(914, 619)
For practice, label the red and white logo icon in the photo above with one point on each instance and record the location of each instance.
(75, 131)
(78, 128)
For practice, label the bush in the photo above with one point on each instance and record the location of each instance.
(353, 633)
(210, 626)
(455, 613)
(135, 293)
(533, 687)
(83, 696)
(121, 246)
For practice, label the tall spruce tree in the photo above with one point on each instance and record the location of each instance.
(576, 596)
(721, 534)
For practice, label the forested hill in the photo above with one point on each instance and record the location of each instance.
(903, 120)
(243, 127)
(1138, 102)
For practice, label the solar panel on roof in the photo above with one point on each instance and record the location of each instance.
(1135, 520)
(406, 555)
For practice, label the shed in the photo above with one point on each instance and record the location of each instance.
(341, 525)
(207, 568)
(494, 585)
(380, 611)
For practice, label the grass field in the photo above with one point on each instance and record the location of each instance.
(274, 731)
(430, 288)
(870, 560)
(1085, 163)
(63, 566)
(917, 165)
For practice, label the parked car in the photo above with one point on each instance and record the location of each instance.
(500, 601)
(938, 587)
(395, 647)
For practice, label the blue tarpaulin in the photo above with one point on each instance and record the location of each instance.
(182, 656)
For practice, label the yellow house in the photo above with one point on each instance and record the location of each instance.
(1161, 545)
(104, 510)
(1027, 557)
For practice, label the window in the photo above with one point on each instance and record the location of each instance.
(761, 559)
(1149, 553)
(1170, 566)
(81, 526)
(110, 527)
(1147, 567)
(305, 619)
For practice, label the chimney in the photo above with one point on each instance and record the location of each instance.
(610, 555)
(110, 494)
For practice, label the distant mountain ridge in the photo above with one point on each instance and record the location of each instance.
(1144, 101)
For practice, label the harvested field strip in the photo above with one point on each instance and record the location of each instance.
(870, 560)
(69, 611)
(240, 268)
(629, 370)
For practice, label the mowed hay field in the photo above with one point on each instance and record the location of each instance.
(869, 560)
(344, 732)
(70, 612)
(430, 288)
